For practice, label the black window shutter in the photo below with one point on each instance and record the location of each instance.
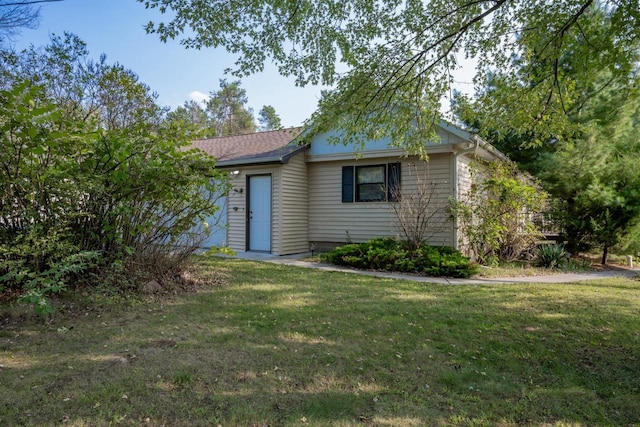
(347, 184)
(393, 182)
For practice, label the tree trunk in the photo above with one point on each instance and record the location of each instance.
(605, 251)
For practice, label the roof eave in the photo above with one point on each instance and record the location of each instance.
(491, 149)
(260, 160)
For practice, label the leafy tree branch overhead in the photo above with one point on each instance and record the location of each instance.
(391, 62)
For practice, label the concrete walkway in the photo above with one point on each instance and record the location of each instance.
(297, 261)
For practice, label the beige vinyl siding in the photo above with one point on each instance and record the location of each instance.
(330, 219)
(293, 204)
(465, 181)
(464, 176)
(238, 199)
(236, 213)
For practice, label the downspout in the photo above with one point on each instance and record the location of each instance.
(472, 149)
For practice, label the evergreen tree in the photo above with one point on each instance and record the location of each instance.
(586, 166)
(269, 119)
(227, 112)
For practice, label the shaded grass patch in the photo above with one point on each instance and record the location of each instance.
(280, 345)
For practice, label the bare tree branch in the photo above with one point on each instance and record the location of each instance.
(19, 14)
(420, 213)
(26, 3)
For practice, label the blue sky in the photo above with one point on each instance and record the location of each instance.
(116, 28)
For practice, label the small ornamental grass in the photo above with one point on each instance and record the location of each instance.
(392, 255)
(551, 256)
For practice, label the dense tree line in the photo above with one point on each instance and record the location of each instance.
(588, 167)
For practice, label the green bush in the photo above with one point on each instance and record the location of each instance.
(550, 256)
(345, 255)
(73, 193)
(490, 216)
(391, 255)
(577, 264)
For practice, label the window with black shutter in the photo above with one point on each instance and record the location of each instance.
(371, 183)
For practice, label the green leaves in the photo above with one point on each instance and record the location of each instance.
(101, 174)
(582, 90)
(100, 94)
(496, 215)
(552, 88)
(390, 63)
(391, 255)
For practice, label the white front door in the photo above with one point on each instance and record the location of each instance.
(259, 213)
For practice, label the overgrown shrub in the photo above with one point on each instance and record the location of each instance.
(391, 255)
(36, 285)
(72, 192)
(496, 217)
(550, 256)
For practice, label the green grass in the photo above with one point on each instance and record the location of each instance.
(513, 269)
(280, 345)
(526, 269)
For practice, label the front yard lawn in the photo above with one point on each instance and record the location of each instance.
(279, 345)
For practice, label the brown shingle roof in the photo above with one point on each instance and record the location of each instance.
(259, 147)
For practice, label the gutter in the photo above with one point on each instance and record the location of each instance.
(490, 148)
(247, 162)
(283, 159)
